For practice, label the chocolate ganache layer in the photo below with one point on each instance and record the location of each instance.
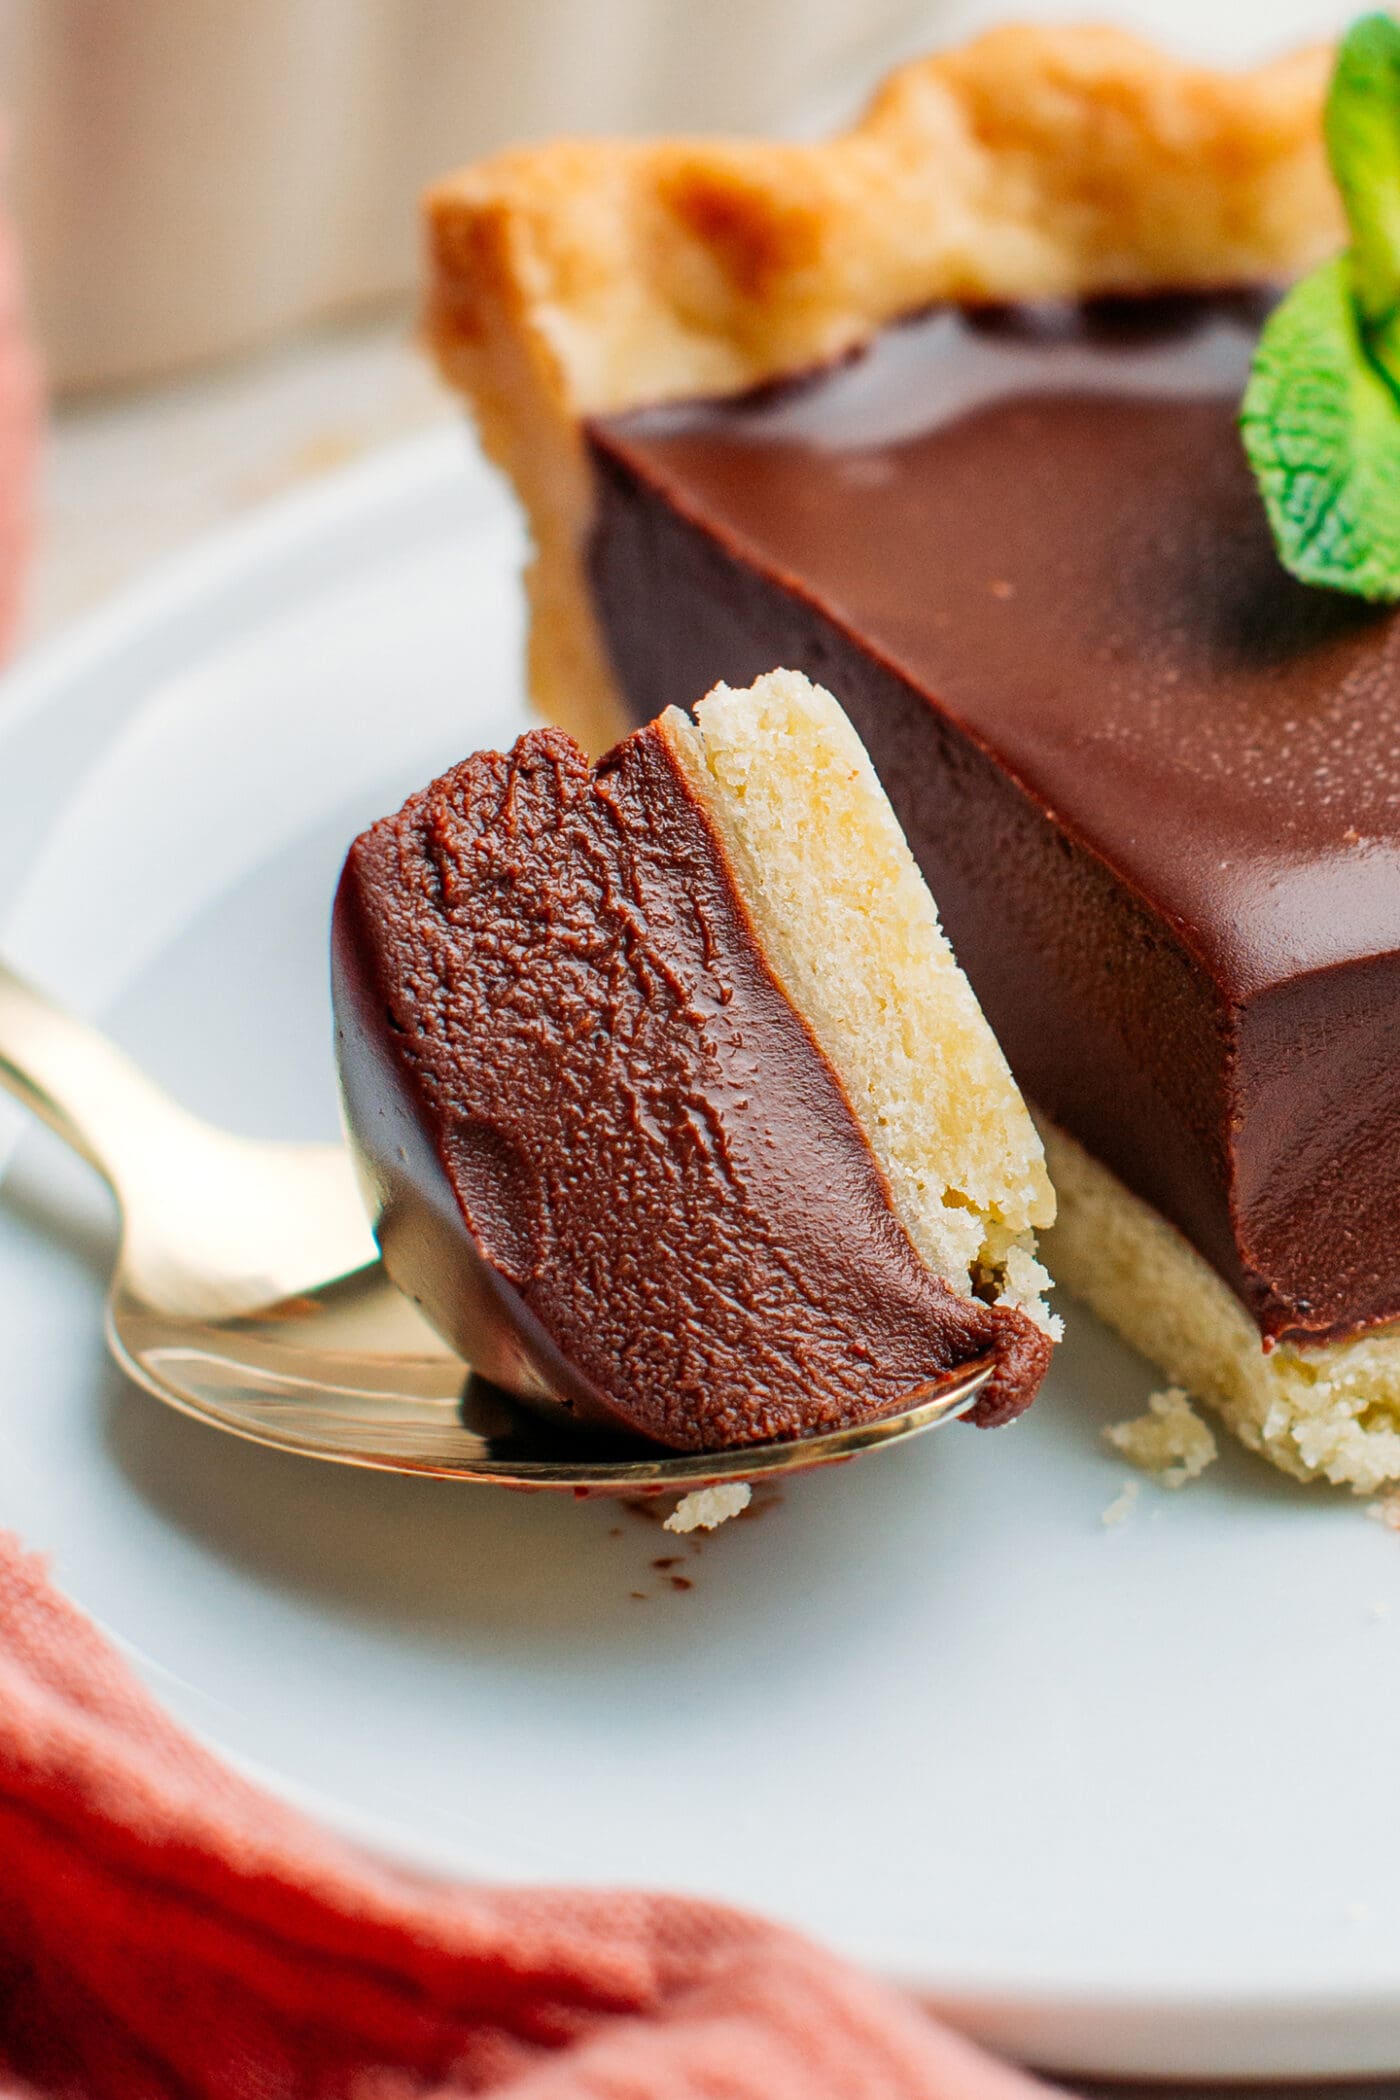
(607, 1154)
(1153, 781)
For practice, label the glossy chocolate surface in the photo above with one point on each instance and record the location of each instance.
(1154, 782)
(611, 1162)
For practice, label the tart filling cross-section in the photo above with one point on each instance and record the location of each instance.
(944, 413)
(671, 1102)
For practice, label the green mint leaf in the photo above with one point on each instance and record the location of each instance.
(1362, 128)
(1321, 414)
(1321, 428)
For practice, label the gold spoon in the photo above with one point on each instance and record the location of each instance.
(248, 1291)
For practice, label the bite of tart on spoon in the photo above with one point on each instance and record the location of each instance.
(689, 1154)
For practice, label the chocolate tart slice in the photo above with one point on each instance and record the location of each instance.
(672, 1104)
(942, 412)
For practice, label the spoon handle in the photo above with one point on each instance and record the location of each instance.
(68, 1074)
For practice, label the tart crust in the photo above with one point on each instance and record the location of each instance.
(585, 277)
(1325, 1413)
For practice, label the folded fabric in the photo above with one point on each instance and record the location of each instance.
(166, 1929)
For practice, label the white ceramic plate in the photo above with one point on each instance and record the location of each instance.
(1121, 1797)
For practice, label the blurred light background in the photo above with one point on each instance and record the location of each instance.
(216, 200)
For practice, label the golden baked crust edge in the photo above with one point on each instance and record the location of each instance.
(586, 276)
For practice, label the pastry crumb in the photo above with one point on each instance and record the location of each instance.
(1123, 1502)
(1024, 1284)
(707, 1507)
(1385, 1510)
(1170, 1441)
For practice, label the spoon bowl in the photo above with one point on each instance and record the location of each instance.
(248, 1292)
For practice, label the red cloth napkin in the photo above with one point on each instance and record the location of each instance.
(166, 1929)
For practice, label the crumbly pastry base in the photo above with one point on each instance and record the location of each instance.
(578, 278)
(850, 931)
(1331, 1413)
